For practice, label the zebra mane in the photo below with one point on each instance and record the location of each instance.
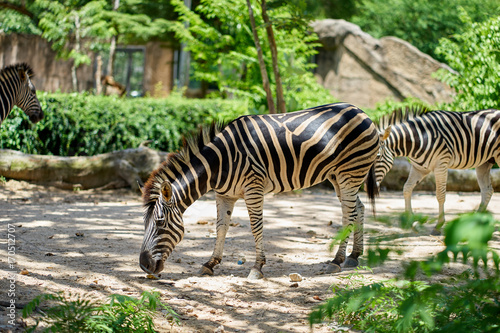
(11, 69)
(192, 144)
(400, 115)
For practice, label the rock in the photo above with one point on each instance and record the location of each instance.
(352, 61)
(295, 277)
(220, 329)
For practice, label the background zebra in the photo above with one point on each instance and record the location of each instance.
(438, 141)
(258, 154)
(16, 88)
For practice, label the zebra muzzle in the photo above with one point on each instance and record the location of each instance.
(149, 264)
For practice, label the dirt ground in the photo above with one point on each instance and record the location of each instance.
(88, 242)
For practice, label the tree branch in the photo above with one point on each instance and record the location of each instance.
(19, 9)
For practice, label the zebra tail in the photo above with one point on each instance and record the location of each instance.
(371, 187)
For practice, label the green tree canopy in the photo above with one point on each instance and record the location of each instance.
(475, 55)
(219, 37)
(421, 22)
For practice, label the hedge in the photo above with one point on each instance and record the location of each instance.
(83, 124)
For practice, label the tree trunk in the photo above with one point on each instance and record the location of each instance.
(74, 78)
(262, 64)
(98, 75)
(274, 54)
(122, 168)
(112, 45)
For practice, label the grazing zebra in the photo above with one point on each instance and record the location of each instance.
(438, 141)
(259, 154)
(16, 88)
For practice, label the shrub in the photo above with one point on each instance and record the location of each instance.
(475, 56)
(82, 124)
(70, 313)
(466, 302)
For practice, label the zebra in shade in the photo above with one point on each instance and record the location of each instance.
(438, 141)
(16, 88)
(259, 154)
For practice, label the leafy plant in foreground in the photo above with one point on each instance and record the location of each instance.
(71, 313)
(466, 302)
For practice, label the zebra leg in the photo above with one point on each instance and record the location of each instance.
(441, 174)
(357, 249)
(484, 181)
(225, 207)
(348, 201)
(414, 178)
(254, 199)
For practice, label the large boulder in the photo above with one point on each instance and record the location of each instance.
(360, 69)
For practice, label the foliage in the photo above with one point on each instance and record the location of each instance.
(81, 124)
(420, 22)
(12, 21)
(466, 302)
(61, 21)
(78, 314)
(475, 55)
(220, 40)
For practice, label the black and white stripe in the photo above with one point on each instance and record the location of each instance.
(16, 88)
(258, 154)
(438, 141)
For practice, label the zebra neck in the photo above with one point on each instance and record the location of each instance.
(193, 180)
(8, 97)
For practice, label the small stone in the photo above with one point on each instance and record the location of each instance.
(220, 329)
(280, 261)
(178, 260)
(24, 272)
(294, 285)
(202, 222)
(295, 277)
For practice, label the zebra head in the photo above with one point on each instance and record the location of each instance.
(26, 95)
(164, 228)
(385, 157)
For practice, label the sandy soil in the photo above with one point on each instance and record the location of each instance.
(88, 242)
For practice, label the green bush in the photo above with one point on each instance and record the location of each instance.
(465, 302)
(70, 313)
(82, 124)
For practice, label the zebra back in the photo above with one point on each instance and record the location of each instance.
(400, 115)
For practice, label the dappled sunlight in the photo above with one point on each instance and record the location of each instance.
(94, 249)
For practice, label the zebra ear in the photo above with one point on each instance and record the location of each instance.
(140, 184)
(166, 190)
(386, 134)
(22, 74)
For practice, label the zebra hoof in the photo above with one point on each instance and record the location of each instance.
(351, 262)
(205, 271)
(255, 274)
(436, 232)
(333, 268)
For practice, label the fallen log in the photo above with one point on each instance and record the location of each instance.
(458, 180)
(123, 168)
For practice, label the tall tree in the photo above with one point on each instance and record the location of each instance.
(274, 56)
(112, 43)
(262, 64)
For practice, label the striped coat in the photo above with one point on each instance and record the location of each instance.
(438, 141)
(255, 155)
